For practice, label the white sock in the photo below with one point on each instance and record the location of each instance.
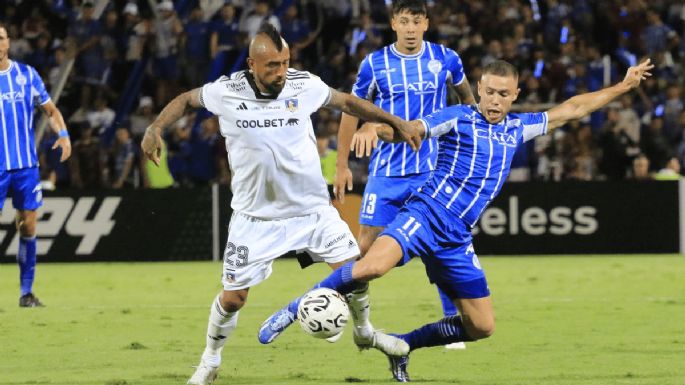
(220, 326)
(360, 309)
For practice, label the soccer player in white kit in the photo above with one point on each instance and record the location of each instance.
(280, 199)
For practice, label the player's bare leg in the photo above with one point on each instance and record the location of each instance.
(223, 318)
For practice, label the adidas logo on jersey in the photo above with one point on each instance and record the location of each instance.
(242, 107)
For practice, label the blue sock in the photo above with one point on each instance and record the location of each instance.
(448, 307)
(447, 330)
(27, 263)
(339, 280)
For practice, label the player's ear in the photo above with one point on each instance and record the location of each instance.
(516, 94)
(250, 64)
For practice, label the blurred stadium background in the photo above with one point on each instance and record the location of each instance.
(608, 184)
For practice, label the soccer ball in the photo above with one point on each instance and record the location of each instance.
(323, 313)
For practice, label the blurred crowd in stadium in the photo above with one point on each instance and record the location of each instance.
(133, 56)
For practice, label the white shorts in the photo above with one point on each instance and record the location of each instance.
(254, 243)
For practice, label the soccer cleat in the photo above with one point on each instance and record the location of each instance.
(398, 368)
(456, 346)
(29, 300)
(390, 345)
(205, 374)
(275, 325)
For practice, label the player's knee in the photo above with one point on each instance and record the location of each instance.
(482, 329)
(232, 301)
(26, 227)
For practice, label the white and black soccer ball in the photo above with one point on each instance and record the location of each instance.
(323, 313)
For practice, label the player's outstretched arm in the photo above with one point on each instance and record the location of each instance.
(366, 138)
(584, 104)
(370, 112)
(152, 141)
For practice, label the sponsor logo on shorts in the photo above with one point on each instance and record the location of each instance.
(476, 262)
(230, 276)
(336, 240)
(38, 190)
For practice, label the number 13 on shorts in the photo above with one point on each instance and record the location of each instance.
(369, 204)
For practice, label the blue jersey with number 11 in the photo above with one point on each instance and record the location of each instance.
(475, 156)
(408, 86)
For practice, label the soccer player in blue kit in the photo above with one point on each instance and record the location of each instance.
(20, 85)
(410, 79)
(476, 146)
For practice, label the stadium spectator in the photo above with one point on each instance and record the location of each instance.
(252, 19)
(654, 144)
(640, 170)
(90, 62)
(19, 165)
(21, 47)
(87, 161)
(122, 158)
(100, 116)
(277, 182)
(225, 39)
(196, 52)
(616, 148)
(327, 155)
(153, 176)
(167, 29)
(142, 118)
(657, 36)
(201, 163)
(670, 171)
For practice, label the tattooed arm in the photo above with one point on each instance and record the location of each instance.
(152, 141)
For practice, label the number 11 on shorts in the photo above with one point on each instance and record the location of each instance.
(408, 224)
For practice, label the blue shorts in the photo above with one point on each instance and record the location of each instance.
(385, 196)
(427, 230)
(27, 193)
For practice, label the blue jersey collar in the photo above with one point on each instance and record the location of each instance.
(8, 68)
(412, 56)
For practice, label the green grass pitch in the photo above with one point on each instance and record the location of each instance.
(560, 320)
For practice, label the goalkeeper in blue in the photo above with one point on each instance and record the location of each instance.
(476, 146)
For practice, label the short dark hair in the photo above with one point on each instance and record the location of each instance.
(269, 30)
(415, 7)
(501, 68)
